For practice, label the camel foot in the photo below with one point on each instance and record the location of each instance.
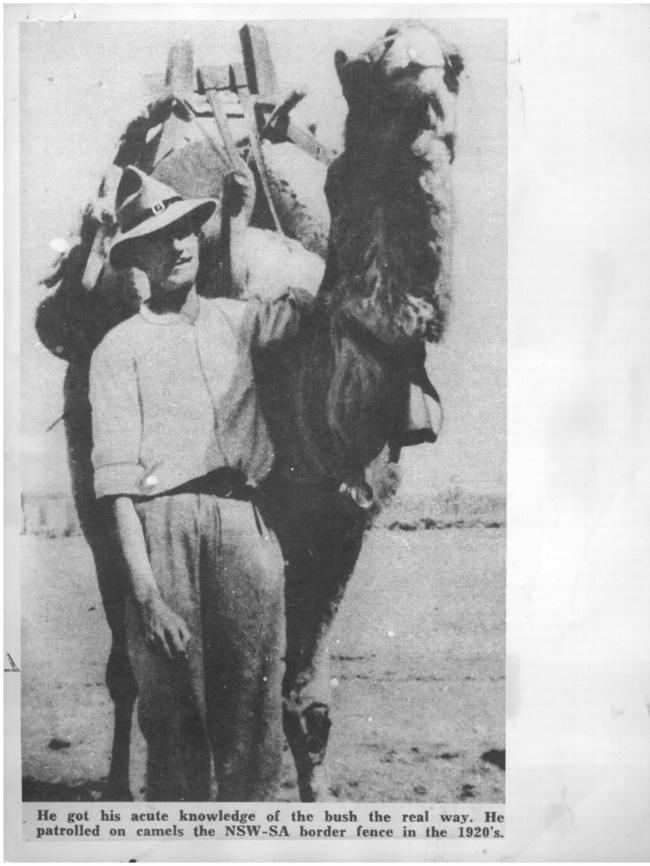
(308, 734)
(313, 785)
(117, 791)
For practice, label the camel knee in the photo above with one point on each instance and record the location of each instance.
(120, 680)
(307, 731)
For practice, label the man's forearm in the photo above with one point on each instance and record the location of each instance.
(279, 319)
(162, 626)
(134, 550)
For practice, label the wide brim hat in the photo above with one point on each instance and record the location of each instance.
(144, 205)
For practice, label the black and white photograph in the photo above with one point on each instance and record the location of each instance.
(274, 286)
(273, 273)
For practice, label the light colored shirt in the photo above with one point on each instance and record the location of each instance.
(173, 400)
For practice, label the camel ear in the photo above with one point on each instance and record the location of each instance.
(340, 59)
(453, 67)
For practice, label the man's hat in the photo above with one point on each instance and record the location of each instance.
(144, 205)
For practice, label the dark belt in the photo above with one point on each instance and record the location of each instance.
(227, 483)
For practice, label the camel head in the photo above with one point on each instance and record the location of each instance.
(390, 191)
(405, 81)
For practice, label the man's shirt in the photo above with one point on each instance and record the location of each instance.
(173, 400)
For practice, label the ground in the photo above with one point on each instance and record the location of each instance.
(418, 668)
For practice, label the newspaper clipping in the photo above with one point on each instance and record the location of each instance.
(286, 281)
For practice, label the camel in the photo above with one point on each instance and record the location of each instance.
(337, 397)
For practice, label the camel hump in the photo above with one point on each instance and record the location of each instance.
(297, 184)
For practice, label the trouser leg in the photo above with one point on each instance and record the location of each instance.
(171, 706)
(178, 754)
(243, 620)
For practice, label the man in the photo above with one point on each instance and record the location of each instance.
(179, 446)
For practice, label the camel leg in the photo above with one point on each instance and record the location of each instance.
(321, 538)
(123, 691)
(97, 526)
(120, 680)
(312, 598)
(314, 591)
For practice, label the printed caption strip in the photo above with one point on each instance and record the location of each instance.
(195, 821)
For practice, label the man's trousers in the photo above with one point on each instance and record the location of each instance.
(216, 714)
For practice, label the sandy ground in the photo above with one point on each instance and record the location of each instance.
(418, 661)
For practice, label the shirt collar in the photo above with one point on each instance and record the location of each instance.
(168, 318)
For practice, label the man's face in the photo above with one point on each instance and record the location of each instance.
(170, 257)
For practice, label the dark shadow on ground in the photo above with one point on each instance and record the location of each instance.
(34, 790)
(496, 757)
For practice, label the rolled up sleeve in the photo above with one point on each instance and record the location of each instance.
(279, 319)
(116, 421)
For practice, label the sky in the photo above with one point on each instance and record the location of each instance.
(82, 81)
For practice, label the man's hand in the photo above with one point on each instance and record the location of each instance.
(164, 629)
(239, 192)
